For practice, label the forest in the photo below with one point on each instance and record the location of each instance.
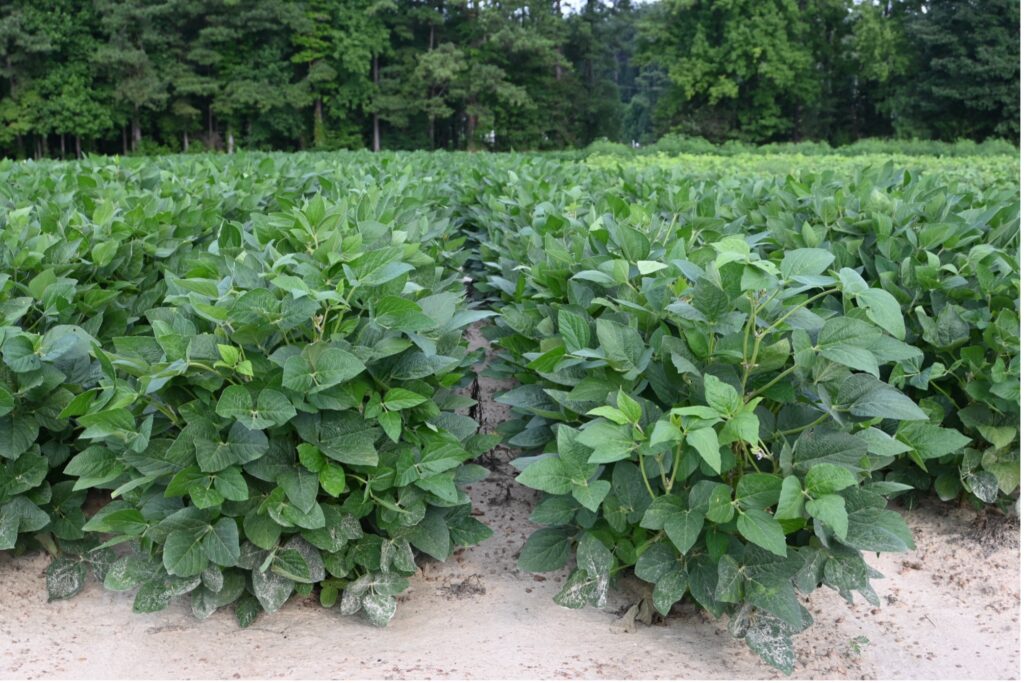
(155, 76)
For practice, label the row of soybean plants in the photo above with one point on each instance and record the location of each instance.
(253, 365)
(723, 380)
(723, 376)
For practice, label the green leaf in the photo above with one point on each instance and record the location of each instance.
(804, 262)
(648, 267)
(744, 426)
(610, 442)
(183, 553)
(574, 329)
(623, 346)
(669, 590)
(319, 368)
(290, 564)
(590, 494)
(231, 484)
(332, 479)
(629, 407)
(655, 562)
(758, 490)
(274, 407)
(930, 441)
(665, 432)
(683, 528)
(759, 528)
(705, 441)
(846, 341)
(825, 478)
(730, 580)
(878, 530)
(401, 399)
(883, 310)
(830, 509)
(221, 543)
(548, 475)
(242, 445)
(609, 413)
(720, 396)
(431, 535)
(791, 499)
(720, 507)
(546, 550)
(866, 396)
(310, 457)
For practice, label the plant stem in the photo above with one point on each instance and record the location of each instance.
(778, 377)
(643, 473)
(944, 393)
(677, 459)
(796, 430)
(797, 308)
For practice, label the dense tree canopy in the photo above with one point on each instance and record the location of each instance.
(179, 75)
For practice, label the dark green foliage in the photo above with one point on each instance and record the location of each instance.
(155, 76)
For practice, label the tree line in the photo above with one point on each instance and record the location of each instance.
(122, 76)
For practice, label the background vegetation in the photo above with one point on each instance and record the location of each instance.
(189, 75)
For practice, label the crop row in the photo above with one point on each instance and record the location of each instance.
(254, 367)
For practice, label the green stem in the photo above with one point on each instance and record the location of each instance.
(647, 483)
(759, 337)
(797, 308)
(677, 459)
(797, 430)
(202, 366)
(747, 332)
(651, 541)
(944, 393)
(778, 377)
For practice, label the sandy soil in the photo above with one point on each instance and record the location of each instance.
(950, 609)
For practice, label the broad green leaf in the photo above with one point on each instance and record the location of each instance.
(825, 478)
(546, 550)
(705, 442)
(830, 509)
(761, 529)
(802, 262)
(683, 528)
(720, 396)
(548, 475)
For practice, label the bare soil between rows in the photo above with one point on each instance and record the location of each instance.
(949, 610)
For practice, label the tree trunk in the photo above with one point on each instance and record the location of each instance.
(136, 130)
(124, 141)
(430, 131)
(63, 149)
(376, 116)
(209, 122)
(46, 146)
(471, 121)
(231, 141)
(318, 122)
(78, 147)
(184, 141)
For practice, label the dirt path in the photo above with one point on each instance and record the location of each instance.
(950, 609)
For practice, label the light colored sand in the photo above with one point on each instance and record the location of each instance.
(950, 609)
